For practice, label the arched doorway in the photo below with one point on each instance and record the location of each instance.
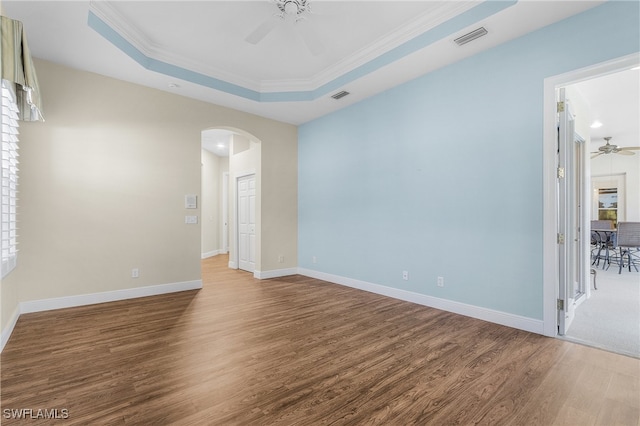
(229, 157)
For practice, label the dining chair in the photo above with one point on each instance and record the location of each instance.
(628, 242)
(601, 241)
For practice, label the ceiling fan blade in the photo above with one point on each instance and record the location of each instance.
(310, 38)
(597, 154)
(263, 29)
(630, 148)
(625, 152)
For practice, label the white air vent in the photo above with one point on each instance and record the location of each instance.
(470, 36)
(339, 95)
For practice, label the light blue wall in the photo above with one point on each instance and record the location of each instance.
(442, 176)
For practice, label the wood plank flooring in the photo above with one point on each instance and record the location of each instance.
(299, 351)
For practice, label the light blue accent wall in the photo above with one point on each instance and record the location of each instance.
(442, 176)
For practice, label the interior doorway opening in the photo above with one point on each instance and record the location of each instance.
(568, 277)
(228, 154)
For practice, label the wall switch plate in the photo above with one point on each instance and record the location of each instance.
(405, 275)
(191, 220)
(135, 273)
(190, 201)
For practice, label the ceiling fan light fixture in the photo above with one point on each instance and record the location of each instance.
(291, 8)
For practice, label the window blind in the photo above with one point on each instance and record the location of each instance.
(9, 184)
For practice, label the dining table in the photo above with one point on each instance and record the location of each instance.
(605, 240)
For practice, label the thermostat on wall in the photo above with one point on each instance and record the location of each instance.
(190, 201)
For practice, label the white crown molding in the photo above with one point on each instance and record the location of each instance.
(442, 12)
(110, 16)
(438, 14)
(118, 23)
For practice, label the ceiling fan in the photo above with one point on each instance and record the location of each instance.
(296, 11)
(614, 149)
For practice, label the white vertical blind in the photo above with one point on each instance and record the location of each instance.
(9, 185)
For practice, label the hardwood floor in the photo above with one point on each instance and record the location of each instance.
(299, 351)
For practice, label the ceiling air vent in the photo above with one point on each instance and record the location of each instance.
(339, 95)
(470, 36)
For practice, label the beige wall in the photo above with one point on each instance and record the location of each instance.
(213, 167)
(102, 185)
(278, 218)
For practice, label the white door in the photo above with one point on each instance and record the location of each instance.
(246, 223)
(571, 216)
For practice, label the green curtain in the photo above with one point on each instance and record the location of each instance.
(17, 67)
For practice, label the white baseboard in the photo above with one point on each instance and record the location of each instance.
(91, 299)
(107, 296)
(6, 333)
(210, 254)
(490, 315)
(233, 265)
(265, 275)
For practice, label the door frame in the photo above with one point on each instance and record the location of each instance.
(567, 220)
(225, 212)
(550, 255)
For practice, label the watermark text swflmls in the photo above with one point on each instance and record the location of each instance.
(35, 413)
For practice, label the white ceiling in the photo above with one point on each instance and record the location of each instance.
(198, 49)
(614, 101)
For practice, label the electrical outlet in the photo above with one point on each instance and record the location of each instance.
(405, 275)
(440, 281)
(135, 273)
(280, 259)
(314, 259)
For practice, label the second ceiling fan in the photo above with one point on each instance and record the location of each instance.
(608, 148)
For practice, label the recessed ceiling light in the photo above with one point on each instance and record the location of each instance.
(220, 145)
(596, 124)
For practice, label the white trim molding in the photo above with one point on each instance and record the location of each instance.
(91, 299)
(211, 254)
(550, 253)
(490, 315)
(6, 333)
(276, 273)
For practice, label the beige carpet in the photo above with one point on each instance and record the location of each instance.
(610, 318)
